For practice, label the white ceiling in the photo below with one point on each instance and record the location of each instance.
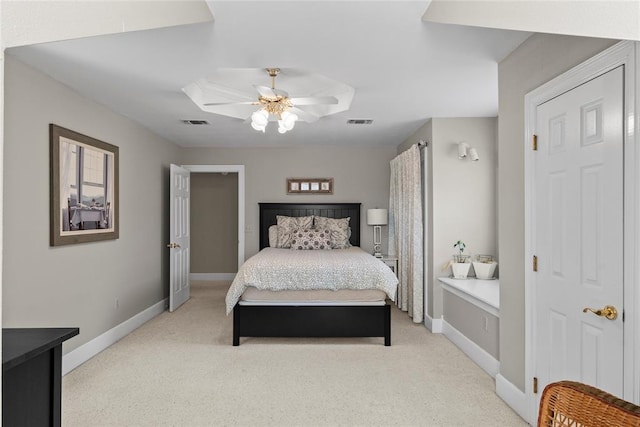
(404, 70)
(613, 19)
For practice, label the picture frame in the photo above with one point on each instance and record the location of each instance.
(84, 188)
(309, 185)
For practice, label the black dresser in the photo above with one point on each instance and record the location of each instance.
(32, 375)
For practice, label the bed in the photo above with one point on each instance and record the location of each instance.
(349, 316)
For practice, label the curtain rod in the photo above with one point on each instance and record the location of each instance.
(422, 143)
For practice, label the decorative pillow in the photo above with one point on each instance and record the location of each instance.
(340, 230)
(273, 236)
(294, 222)
(284, 237)
(311, 239)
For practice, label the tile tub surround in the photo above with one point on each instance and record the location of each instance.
(484, 294)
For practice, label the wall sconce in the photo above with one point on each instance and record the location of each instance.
(463, 149)
(377, 217)
(473, 154)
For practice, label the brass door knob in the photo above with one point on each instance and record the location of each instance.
(173, 245)
(608, 311)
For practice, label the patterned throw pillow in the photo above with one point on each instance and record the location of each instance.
(294, 222)
(340, 230)
(284, 237)
(273, 236)
(311, 239)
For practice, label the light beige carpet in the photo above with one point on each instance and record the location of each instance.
(180, 369)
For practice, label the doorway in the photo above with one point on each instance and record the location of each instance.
(237, 171)
(214, 225)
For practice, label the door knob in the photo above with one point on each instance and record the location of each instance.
(608, 311)
(173, 245)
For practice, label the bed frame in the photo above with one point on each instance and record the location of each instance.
(311, 321)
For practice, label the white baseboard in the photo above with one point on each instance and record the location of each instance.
(434, 325)
(476, 353)
(514, 397)
(78, 356)
(212, 276)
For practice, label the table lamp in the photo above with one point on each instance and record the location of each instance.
(377, 218)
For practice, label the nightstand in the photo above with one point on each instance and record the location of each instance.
(391, 261)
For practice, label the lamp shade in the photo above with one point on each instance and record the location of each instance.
(377, 217)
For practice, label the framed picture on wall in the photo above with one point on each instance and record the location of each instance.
(309, 185)
(84, 188)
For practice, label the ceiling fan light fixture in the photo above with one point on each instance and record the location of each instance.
(259, 120)
(260, 117)
(260, 128)
(288, 119)
(224, 92)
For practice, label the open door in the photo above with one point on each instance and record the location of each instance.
(179, 237)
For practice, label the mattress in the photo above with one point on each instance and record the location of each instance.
(334, 270)
(314, 297)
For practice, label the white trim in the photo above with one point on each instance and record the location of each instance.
(78, 356)
(513, 396)
(632, 272)
(239, 169)
(476, 353)
(212, 276)
(623, 53)
(425, 229)
(434, 325)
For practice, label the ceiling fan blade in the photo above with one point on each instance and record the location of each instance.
(265, 91)
(303, 115)
(231, 103)
(314, 100)
(281, 92)
(226, 91)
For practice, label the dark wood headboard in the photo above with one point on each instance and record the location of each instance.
(268, 212)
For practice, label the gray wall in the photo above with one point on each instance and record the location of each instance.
(536, 61)
(360, 175)
(470, 320)
(214, 223)
(461, 194)
(77, 285)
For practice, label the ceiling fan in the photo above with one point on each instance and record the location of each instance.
(223, 93)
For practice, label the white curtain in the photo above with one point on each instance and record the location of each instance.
(405, 230)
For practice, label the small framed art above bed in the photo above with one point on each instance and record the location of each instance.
(313, 280)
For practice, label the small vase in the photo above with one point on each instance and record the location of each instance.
(484, 270)
(460, 269)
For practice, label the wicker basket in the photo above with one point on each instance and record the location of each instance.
(569, 403)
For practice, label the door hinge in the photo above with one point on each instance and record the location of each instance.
(535, 385)
(535, 263)
(534, 142)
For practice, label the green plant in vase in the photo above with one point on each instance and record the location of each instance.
(460, 266)
(460, 257)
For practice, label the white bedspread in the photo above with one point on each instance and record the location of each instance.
(285, 269)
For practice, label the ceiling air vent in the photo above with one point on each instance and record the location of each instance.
(195, 122)
(359, 121)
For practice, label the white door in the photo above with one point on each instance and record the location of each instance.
(578, 212)
(179, 237)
